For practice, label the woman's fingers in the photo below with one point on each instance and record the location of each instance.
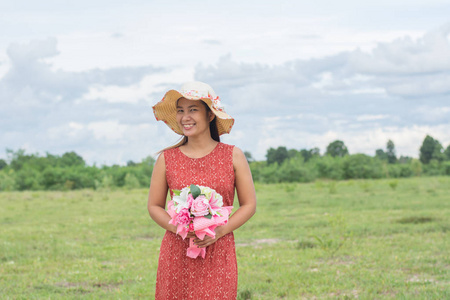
(205, 243)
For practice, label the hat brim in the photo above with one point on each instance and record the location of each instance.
(165, 110)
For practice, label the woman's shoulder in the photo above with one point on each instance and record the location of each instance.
(226, 146)
(225, 149)
(168, 155)
(238, 154)
(170, 151)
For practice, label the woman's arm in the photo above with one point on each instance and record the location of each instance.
(246, 196)
(157, 195)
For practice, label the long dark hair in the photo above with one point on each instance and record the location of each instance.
(214, 131)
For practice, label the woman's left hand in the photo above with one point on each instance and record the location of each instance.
(209, 240)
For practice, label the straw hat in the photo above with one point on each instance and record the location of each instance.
(165, 110)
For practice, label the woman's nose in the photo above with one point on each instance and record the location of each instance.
(185, 116)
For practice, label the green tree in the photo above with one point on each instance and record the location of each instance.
(295, 170)
(27, 179)
(362, 166)
(390, 153)
(19, 160)
(315, 152)
(308, 154)
(7, 182)
(431, 149)
(148, 161)
(329, 167)
(447, 153)
(404, 159)
(3, 164)
(248, 156)
(146, 169)
(131, 163)
(131, 182)
(416, 167)
(277, 155)
(70, 159)
(337, 148)
(292, 153)
(381, 155)
(53, 178)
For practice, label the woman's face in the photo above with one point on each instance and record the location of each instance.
(192, 117)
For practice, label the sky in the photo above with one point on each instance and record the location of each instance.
(83, 75)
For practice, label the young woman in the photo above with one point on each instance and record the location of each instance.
(200, 158)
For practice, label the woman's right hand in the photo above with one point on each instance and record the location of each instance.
(190, 235)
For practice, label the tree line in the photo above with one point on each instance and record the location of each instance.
(69, 171)
(291, 165)
(21, 171)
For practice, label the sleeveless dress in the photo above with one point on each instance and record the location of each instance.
(215, 276)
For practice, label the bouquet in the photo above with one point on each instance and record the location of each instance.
(199, 209)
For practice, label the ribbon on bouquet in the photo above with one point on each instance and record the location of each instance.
(204, 226)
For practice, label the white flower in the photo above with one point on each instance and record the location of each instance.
(206, 191)
(180, 202)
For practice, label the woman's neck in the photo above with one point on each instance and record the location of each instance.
(199, 146)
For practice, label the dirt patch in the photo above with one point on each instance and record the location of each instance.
(415, 220)
(416, 278)
(66, 284)
(145, 238)
(346, 295)
(258, 243)
(88, 285)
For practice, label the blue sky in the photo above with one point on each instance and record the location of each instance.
(82, 76)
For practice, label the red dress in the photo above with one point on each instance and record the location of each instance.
(215, 276)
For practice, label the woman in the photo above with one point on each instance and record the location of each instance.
(200, 158)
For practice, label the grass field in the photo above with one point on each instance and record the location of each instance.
(365, 239)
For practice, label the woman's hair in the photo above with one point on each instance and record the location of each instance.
(212, 129)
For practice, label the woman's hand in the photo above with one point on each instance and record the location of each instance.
(207, 241)
(190, 235)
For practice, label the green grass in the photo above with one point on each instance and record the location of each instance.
(352, 239)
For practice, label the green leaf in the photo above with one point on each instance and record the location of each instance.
(208, 216)
(176, 192)
(195, 191)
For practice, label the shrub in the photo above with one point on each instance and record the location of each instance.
(7, 182)
(131, 182)
(362, 166)
(446, 167)
(27, 179)
(329, 167)
(294, 170)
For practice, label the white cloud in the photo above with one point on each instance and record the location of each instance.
(430, 53)
(108, 130)
(154, 84)
(371, 117)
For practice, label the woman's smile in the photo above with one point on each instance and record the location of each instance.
(188, 126)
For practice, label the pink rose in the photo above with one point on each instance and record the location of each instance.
(191, 226)
(200, 206)
(183, 217)
(189, 200)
